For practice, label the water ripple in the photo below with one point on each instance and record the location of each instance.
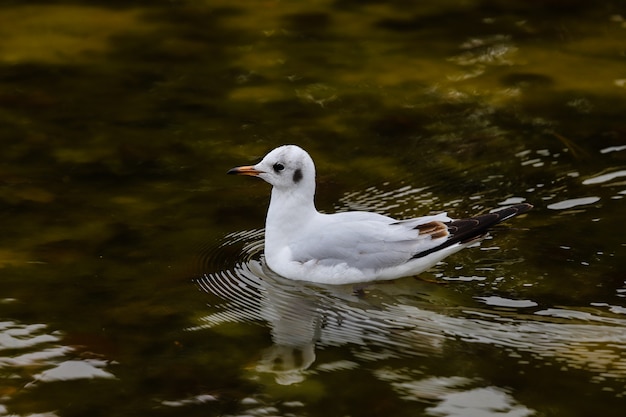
(392, 320)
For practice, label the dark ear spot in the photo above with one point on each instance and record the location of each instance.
(297, 176)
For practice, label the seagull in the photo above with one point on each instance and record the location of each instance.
(356, 246)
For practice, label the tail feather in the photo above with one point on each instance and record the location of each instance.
(473, 228)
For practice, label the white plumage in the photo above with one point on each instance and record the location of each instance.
(304, 244)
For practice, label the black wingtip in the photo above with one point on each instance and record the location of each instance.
(473, 228)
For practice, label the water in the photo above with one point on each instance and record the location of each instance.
(133, 280)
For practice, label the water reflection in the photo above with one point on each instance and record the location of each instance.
(303, 318)
(401, 319)
(32, 356)
(483, 402)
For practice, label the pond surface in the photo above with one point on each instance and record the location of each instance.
(132, 275)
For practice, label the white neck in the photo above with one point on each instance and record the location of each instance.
(288, 213)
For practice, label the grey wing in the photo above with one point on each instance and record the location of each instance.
(363, 244)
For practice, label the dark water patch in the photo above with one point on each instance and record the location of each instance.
(309, 24)
(527, 80)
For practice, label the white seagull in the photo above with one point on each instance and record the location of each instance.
(352, 247)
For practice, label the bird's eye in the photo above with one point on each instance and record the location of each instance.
(278, 167)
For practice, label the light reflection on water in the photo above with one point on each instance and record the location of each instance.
(32, 356)
(595, 184)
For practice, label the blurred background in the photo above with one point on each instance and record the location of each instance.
(131, 273)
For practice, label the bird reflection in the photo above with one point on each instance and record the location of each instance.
(391, 320)
(295, 325)
(304, 316)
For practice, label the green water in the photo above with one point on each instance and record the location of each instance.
(131, 274)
